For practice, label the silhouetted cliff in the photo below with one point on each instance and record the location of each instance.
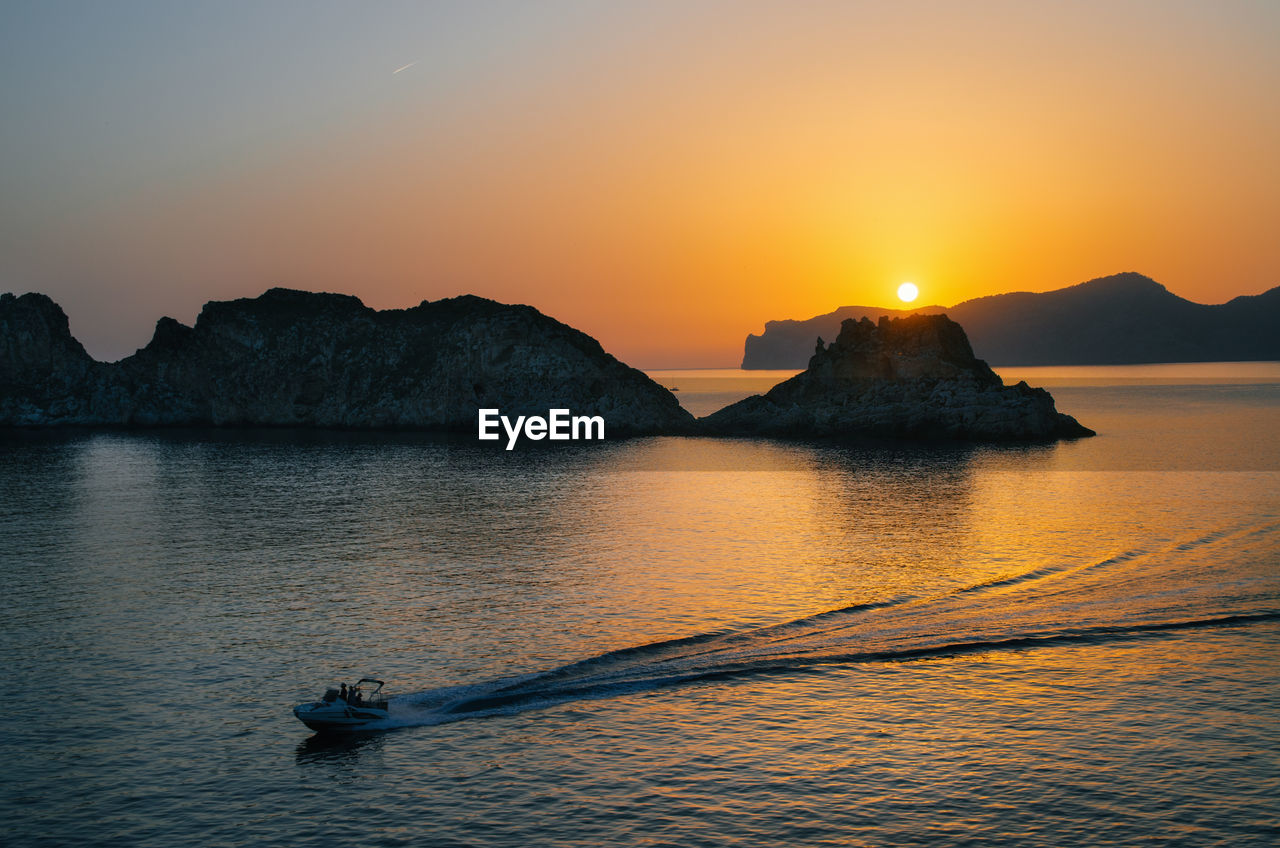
(1122, 319)
(913, 377)
(292, 358)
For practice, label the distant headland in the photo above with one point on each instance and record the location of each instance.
(301, 359)
(1123, 319)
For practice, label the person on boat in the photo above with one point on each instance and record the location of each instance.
(356, 700)
(343, 694)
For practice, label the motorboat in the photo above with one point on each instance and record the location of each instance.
(346, 709)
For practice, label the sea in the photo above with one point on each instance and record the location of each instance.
(656, 641)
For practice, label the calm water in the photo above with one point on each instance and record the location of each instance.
(659, 642)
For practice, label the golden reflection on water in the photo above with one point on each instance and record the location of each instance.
(1148, 417)
(804, 529)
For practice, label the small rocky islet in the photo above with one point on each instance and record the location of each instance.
(914, 377)
(302, 359)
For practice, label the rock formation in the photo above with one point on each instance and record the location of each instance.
(913, 377)
(44, 372)
(299, 359)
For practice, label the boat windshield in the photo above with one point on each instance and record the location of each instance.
(364, 691)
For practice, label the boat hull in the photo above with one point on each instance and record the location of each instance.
(338, 717)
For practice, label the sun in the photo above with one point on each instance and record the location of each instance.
(908, 292)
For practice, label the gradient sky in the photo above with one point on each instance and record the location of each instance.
(665, 176)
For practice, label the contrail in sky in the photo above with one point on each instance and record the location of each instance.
(405, 67)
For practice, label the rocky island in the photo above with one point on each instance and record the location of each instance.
(913, 377)
(300, 359)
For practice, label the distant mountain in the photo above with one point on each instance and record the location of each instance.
(302, 359)
(1122, 319)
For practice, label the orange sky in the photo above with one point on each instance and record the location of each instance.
(664, 176)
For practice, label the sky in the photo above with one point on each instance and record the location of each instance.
(665, 176)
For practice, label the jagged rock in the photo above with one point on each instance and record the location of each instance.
(913, 377)
(44, 371)
(299, 359)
